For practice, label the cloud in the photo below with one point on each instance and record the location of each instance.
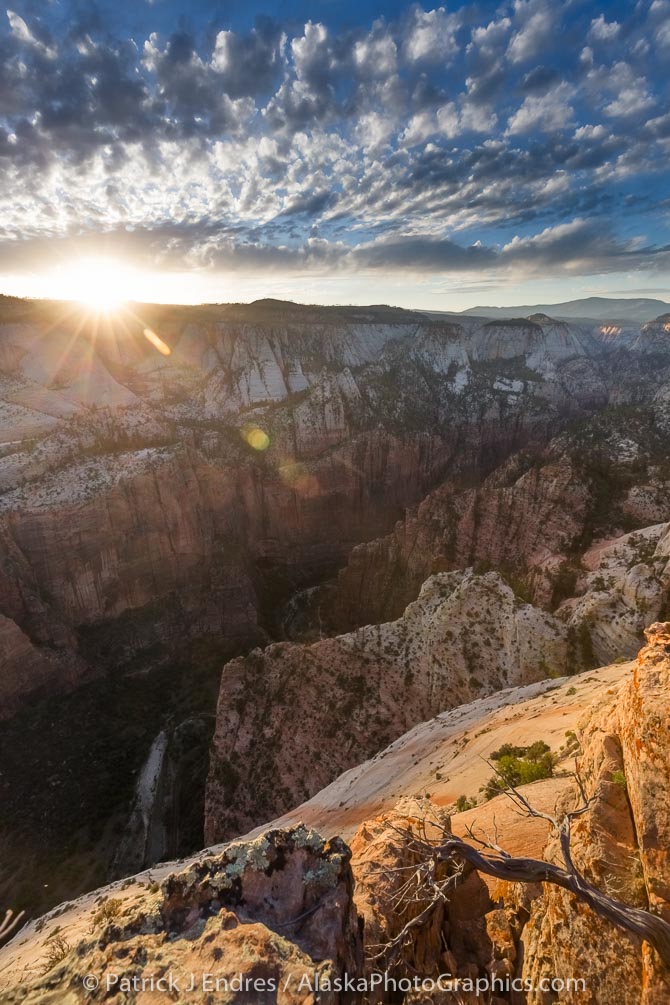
(376, 54)
(632, 93)
(659, 19)
(431, 36)
(602, 30)
(487, 41)
(536, 18)
(548, 113)
(192, 91)
(423, 254)
(539, 79)
(438, 140)
(582, 247)
(22, 32)
(248, 64)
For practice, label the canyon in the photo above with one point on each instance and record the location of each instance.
(277, 563)
(167, 497)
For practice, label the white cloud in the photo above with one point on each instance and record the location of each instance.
(374, 131)
(602, 30)
(314, 45)
(478, 118)
(448, 120)
(376, 55)
(548, 112)
(537, 22)
(419, 128)
(22, 32)
(488, 39)
(590, 132)
(632, 93)
(659, 17)
(431, 36)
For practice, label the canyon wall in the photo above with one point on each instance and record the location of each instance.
(155, 498)
(536, 517)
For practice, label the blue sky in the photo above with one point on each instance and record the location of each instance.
(338, 151)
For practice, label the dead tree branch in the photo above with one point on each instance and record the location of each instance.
(484, 853)
(498, 863)
(9, 923)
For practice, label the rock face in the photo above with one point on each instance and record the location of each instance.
(264, 918)
(162, 497)
(466, 937)
(654, 337)
(517, 521)
(158, 497)
(541, 517)
(621, 844)
(627, 585)
(534, 933)
(292, 717)
(282, 905)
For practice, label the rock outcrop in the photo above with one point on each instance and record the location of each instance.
(540, 518)
(620, 844)
(282, 436)
(627, 585)
(284, 904)
(654, 337)
(291, 717)
(534, 933)
(260, 922)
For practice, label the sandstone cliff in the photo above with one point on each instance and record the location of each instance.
(291, 717)
(621, 844)
(541, 517)
(156, 496)
(261, 919)
(157, 511)
(617, 738)
(234, 910)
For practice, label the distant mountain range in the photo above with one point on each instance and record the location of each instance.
(598, 308)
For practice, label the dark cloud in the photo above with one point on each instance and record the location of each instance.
(248, 65)
(424, 254)
(539, 79)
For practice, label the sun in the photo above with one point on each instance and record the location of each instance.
(98, 284)
(103, 285)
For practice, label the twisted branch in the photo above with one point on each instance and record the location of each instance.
(496, 862)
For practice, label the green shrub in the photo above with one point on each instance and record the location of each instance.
(519, 766)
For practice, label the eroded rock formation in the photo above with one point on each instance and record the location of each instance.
(234, 909)
(262, 918)
(136, 498)
(292, 717)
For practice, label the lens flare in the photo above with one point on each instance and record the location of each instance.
(255, 437)
(299, 478)
(157, 342)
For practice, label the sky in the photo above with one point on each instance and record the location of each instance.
(335, 151)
